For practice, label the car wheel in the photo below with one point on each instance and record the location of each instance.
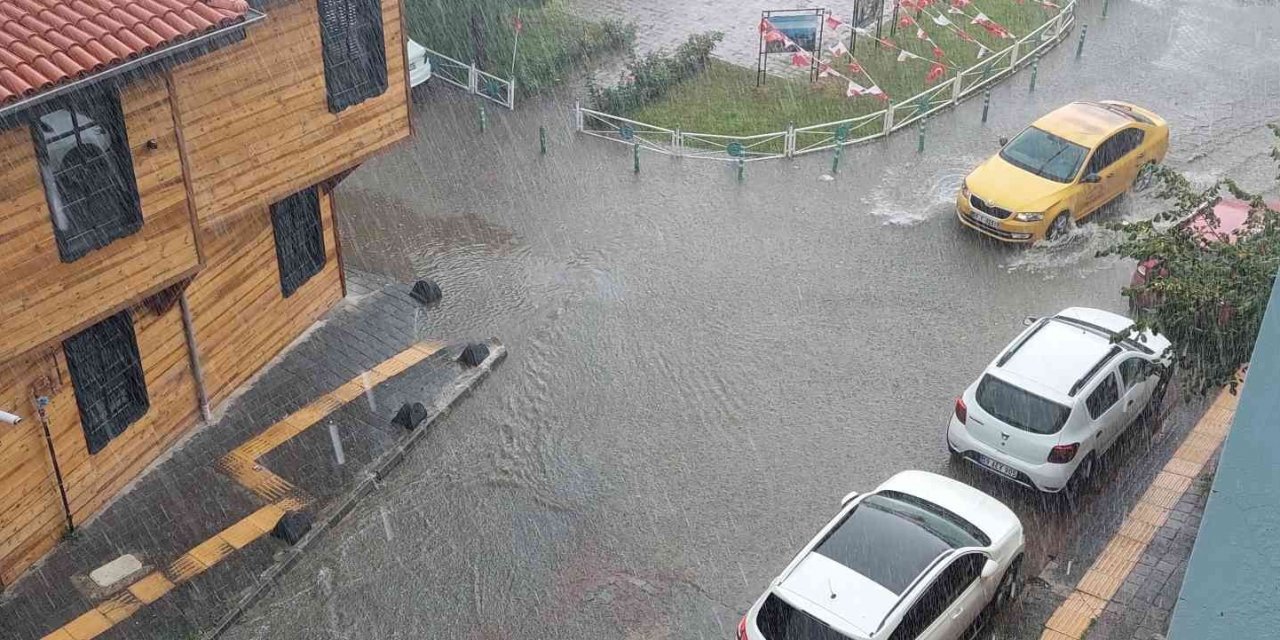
(1146, 175)
(1009, 585)
(1083, 480)
(1060, 226)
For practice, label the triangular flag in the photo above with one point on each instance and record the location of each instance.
(862, 32)
(825, 70)
(766, 26)
(855, 67)
(960, 4)
(800, 59)
(787, 43)
(773, 35)
(833, 22)
(854, 89)
(839, 50)
(905, 22)
(936, 71)
(982, 51)
(905, 55)
(921, 34)
(981, 18)
(940, 20)
(938, 54)
(874, 90)
(963, 35)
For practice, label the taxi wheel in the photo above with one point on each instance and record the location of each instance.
(1060, 226)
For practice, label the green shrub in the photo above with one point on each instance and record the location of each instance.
(648, 78)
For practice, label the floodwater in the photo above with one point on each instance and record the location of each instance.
(700, 369)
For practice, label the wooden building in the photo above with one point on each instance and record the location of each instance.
(166, 221)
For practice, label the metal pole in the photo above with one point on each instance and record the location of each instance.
(41, 403)
(835, 162)
(193, 356)
(636, 155)
(1084, 29)
(920, 143)
(1035, 69)
(986, 103)
(742, 164)
(542, 140)
(484, 119)
(1105, 4)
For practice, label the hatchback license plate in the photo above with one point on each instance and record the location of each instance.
(998, 467)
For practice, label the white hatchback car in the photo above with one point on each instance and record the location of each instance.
(920, 558)
(1058, 397)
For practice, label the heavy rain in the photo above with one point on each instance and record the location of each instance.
(307, 337)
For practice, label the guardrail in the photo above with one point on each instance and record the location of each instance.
(819, 137)
(469, 77)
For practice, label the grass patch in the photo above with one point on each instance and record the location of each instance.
(552, 42)
(724, 98)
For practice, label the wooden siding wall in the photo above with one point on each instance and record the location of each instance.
(242, 320)
(257, 128)
(46, 299)
(31, 513)
(31, 517)
(255, 120)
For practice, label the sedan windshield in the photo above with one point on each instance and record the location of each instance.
(1045, 155)
(1019, 408)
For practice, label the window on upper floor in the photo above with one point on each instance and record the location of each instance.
(354, 51)
(106, 373)
(299, 238)
(87, 170)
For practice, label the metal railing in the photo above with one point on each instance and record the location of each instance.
(469, 77)
(819, 137)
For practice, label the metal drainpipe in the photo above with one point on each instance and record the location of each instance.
(193, 355)
(41, 403)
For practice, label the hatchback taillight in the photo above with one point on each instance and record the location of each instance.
(742, 629)
(962, 411)
(1063, 453)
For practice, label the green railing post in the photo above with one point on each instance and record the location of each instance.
(1105, 3)
(1080, 47)
(636, 155)
(484, 119)
(835, 162)
(1035, 70)
(986, 103)
(742, 165)
(920, 142)
(542, 140)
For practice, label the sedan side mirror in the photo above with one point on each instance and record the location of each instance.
(1003, 141)
(990, 569)
(848, 497)
(1029, 320)
(1092, 178)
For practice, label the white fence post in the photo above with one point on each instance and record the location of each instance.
(473, 79)
(1062, 23)
(957, 88)
(888, 119)
(789, 141)
(1013, 55)
(511, 95)
(577, 115)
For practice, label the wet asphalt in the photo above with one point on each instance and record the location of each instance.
(700, 369)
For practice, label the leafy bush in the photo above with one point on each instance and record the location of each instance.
(648, 78)
(552, 40)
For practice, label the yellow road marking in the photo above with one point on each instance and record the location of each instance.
(1097, 586)
(241, 464)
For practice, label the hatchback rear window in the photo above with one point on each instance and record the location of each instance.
(1021, 409)
(780, 621)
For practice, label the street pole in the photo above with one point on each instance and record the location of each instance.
(986, 103)
(1080, 47)
(835, 162)
(542, 140)
(636, 155)
(920, 142)
(1035, 70)
(742, 164)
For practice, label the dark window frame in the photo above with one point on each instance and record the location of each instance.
(353, 46)
(107, 377)
(1138, 372)
(107, 211)
(298, 227)
(1094, 402)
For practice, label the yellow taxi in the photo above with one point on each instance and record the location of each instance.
(1062, 168)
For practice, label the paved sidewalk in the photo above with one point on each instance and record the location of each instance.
(199, 521)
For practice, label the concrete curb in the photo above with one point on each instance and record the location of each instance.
(376, 472)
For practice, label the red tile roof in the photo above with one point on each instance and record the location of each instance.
(44, 43)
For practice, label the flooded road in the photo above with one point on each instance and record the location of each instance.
(700, 369)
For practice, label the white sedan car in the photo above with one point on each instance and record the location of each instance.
(1058, 397)
(920, 558)
(419, 63)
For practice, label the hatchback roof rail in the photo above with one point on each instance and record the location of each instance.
(1084, 379)
(1018, 345)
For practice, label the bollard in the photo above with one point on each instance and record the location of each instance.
(920, 142)
(986, 103)
(742, 164)
(1105, 3)
(484, 119)
(1035, 70)
(636, 155)
(835, 162)
(542, 140)
(1080, 47)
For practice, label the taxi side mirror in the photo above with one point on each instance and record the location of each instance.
(1091, 178)
(1003, 141)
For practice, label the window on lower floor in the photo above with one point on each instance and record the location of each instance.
(106, 372)
(299, 238)
(354, 51)
(87, 170)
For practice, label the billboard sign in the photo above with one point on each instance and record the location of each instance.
(800, 29)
